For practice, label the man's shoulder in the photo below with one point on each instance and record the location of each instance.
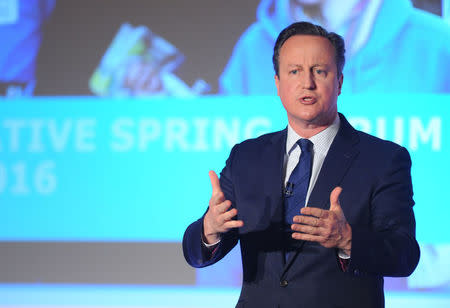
(378, 147)
(368, 143)
(263, 140)
(260, 150)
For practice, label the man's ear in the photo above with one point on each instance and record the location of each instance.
(277, 84)
(340, 81)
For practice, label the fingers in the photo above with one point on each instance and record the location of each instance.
(219, 218)
(217, 199)
(220, 207)
(225, 220)
(314, 211)
(334, 205)
(309, 225)
(217, 194)
(327, 227)
(308, 220)
(334, 199)
(233, 224)
(315, 232)
(307, 229)
(215, 183)
(228, 215)
(222, 220)
(222, 214)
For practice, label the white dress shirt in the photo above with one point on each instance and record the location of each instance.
(321, 144)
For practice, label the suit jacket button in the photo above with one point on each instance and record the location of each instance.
(283, 283)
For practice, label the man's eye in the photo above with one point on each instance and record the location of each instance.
(293, 72)
(320, 72)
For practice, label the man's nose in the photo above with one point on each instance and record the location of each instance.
(307, 81)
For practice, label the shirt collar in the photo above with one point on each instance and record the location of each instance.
(322, 141)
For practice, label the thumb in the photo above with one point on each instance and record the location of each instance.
(215, 183)
(334, 199)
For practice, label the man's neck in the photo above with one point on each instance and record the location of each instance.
(307, 130)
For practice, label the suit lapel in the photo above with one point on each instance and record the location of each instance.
(273, 181)
(339, 158)
(272, 157)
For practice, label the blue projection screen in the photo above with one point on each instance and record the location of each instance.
(135, 170)
(124, 169)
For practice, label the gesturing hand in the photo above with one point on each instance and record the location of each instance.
(327, 227)
(218, 219)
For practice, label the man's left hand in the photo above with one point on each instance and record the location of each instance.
(327, 227)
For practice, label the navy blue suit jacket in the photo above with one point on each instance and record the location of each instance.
(376, 200)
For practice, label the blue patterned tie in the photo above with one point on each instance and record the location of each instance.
(297, 186)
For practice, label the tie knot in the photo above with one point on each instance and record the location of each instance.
(305, 145)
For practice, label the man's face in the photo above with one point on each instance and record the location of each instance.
(308, 83)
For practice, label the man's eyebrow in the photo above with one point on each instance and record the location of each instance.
(314, 65)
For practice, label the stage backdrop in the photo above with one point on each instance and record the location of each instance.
(92, 175)
(112, 113)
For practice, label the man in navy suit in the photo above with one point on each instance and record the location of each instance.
(358, 224)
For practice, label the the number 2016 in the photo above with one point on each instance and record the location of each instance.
(20, 179)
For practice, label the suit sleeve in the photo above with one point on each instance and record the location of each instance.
(388, 246)
(195, 253)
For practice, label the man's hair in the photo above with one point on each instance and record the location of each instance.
(306, 28)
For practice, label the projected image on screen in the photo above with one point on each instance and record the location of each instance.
(21, 27)
(379, 37)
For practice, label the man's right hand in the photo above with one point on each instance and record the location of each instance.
(219, 218)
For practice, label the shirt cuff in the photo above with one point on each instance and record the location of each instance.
(211, 249)
(341, 254)
(210, 245)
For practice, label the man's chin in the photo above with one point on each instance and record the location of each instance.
(312, 120)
